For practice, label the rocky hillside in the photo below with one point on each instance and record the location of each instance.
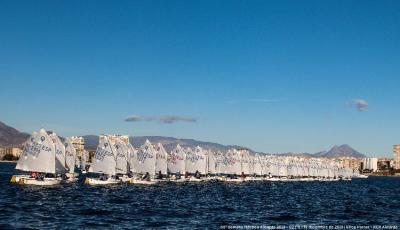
(11, 137)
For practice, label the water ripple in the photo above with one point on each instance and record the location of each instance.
(374, 201)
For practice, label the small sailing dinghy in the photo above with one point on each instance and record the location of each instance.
(233, 166)
(83, 162)
(145, 165)
(122, 160)
(104, 163)
(176, 164)
(196, 164)
(161, 163)
(70, 159)
(39, 158)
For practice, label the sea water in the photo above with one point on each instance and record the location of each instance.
(373, 202)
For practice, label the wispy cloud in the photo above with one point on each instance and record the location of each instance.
(253, 100)
(359, 104)
(166, 119)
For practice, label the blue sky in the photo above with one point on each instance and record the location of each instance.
(276, 76)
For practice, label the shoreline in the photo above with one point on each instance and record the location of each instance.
(3, 161)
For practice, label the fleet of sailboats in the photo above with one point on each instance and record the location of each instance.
(51, 161)
(44, 157)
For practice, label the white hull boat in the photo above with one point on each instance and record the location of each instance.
(235, 180)
(273, 179)
(42, 182)
(143, 182)
(125, 179)
(182, 180)
(71, 180)
(98, 181)
(193, 179)
(254, 179)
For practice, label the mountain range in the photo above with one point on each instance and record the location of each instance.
(169, 143)
(10, 136)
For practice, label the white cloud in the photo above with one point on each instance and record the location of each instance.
(166, 119)
(359, 104)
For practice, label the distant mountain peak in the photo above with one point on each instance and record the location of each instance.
(344, 150)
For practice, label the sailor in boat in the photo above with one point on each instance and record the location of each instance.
(178, 176)
(34, 174)
(103, 177)
(197, 174)
(159, 175)
(146, 177)
(242, 176)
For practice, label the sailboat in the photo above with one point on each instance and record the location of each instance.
(70, 159)
(245, 165)
(176, 164)
(83, 162)
(39, 158)
(233, 166)
(211, 165)
(60, 153)
(195, 164)
(104, 163)
(145, 165)
(161, 162)
(122, 160)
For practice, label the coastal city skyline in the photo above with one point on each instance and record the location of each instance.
(258, 74)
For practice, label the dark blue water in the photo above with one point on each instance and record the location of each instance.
(372, 201)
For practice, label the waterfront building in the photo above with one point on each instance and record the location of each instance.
(79, 144)
(370, 163)
(384, 164)
(349, 162)
(2, 152)
(13, 151)
(113, 138)
(396, 156)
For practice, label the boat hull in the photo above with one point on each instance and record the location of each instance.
(97, 181)
(16, 178)
(142, 182)
(195, 180)
(44, 182)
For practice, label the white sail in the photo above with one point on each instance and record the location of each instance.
(146, 159)
(232, 162)
(60, 154)
(200, 160)
(38, 154)
(211, 163)
(220, 162)
(121, 157)
(257, 165)
(84, 158)
(70, 155)
(195, 160)
(104, 158)
(245, 162)
(176, 160)
(132, 158)
(251, 165)
(161, 159)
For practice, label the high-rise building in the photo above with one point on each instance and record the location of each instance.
(79, 144)
(349, 162)
(370, 163)
(396, 158)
